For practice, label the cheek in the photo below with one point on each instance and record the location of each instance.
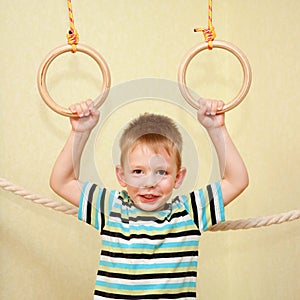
(134, 181)
(168, 184)
(132, 192)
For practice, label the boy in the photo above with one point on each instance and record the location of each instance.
(149, 241)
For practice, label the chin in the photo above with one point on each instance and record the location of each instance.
(149, 206)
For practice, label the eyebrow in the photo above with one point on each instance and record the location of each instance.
(158, 167)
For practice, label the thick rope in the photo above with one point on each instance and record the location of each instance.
(228, 225)
(20, 191)
(72, 35)
(257, 222)
(209, 32)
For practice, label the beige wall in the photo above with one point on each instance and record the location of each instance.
(48, 255)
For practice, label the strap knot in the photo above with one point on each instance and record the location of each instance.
(73, 38)
(209, 35)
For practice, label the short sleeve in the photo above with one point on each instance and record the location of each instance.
(206, 206)
(94, 205)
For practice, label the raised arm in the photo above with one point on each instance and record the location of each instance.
(64, 178)
(232, 168)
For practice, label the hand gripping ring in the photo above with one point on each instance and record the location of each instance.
(67, 48)
(216, 44)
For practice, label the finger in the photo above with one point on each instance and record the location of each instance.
(90, 104)
(202, 105)
(201, 101)
(213, 107)
(93, 110)
(84, 107)
(72, 108)
(202, 112)
(207, 107)
(76, 109)
(220, 105)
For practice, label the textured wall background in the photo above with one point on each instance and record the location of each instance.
(48, 255)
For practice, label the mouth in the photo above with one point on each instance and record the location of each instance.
(149, 197)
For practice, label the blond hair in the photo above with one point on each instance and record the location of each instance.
(155, 131)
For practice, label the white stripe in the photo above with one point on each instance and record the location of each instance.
(85, 201)
(216, 202)
(152, 261)
(135, 282)
(133, 241)
(149, 223)
(104, 298)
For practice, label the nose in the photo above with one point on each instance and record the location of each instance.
(150, 181)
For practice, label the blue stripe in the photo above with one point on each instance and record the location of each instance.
(154, 286)
(99, 195)
(82, 196)
(110, 201)
(185, 202)
(163, 245)
(221, 201)
(139, 266)
(146, 228)
(203, 210)
(135, 211)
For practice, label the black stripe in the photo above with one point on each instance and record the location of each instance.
(195, 209)
(147, 276)
(124, 203)
(102, 204)
(149, 256)
(151, 237)
(212, 205)
(89, 204)
(145, 297)
(148, 218)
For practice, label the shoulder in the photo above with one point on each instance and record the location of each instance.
(201, 198)
(94, 195)
(205, 205)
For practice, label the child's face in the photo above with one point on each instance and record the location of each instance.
(150, 177)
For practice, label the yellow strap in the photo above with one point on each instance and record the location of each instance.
(72, 35)
(209, 32)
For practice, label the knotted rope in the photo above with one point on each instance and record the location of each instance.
(209, 32)
(72, 35)
(228, 225)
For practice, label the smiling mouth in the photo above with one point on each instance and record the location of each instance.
(149, 198)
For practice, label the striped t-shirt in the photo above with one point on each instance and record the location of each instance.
(149, 255)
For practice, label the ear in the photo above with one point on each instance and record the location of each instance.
(180, 177)
(120, 176)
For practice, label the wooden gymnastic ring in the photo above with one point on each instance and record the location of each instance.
(68, 48)
(216, 44)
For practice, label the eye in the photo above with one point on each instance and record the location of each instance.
(137, 171)
(161, 172)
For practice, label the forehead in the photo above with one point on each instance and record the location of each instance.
(150, 154)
